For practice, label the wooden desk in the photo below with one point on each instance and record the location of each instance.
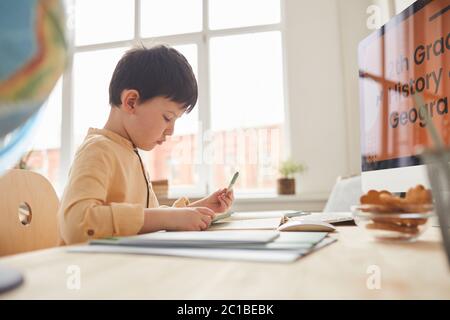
(408, 271)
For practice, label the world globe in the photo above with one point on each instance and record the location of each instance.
(33, 55)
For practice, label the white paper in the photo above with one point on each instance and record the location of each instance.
(255, 224)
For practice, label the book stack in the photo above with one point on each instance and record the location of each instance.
(250, 245)
(161, 188)
(246, 236)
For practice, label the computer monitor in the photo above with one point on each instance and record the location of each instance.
(409, 55)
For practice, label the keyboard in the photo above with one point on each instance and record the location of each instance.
(330, 217)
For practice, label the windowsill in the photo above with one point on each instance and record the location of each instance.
(280, 198)
(271, 198)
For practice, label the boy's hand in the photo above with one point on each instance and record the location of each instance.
(190, 219)
(220, 201)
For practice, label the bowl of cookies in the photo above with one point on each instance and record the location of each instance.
(389, 217)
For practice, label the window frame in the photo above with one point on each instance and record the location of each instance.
(202, 40)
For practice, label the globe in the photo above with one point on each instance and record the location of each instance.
(33, 55)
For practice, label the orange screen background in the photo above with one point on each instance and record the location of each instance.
(388, 59)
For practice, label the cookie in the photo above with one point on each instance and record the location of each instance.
(418, 195)
(404, 222)
(392, 227)
(373, 197)
(417, 200)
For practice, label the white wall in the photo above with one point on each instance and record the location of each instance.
(353, 16)
(321, 42)
(401, 5)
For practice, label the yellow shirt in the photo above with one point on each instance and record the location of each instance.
(107, 192)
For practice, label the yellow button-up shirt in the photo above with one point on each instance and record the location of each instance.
(106, 192)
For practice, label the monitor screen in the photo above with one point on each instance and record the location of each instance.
(408, 56)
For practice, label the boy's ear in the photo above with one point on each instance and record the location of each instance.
(129, 99)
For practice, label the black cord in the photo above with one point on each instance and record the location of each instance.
(143, 172)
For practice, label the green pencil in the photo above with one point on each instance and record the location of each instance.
(233, 180)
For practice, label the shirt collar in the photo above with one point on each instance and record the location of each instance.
(113, 136)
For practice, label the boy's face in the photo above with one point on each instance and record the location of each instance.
(148, 123)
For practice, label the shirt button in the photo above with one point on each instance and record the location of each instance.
(90, 232)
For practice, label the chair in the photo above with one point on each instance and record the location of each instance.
(28, 212)
(346, 193)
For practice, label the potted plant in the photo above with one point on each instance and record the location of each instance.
(288, 168)
(23, 162)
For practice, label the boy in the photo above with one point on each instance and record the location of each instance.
(108, 192)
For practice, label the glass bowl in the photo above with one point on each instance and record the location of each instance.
(393, 224)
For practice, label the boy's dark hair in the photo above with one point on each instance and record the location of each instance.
(153, 72)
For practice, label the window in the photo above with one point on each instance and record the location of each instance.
(174, 159)
(170, 17)
(100, 21)
(247, 123)
(236, 51)
(92, 71)
(225, 14)
(44, 155)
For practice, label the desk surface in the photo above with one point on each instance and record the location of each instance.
(408, 271)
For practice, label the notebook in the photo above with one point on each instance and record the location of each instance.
(286, 247)
(230, 216)
(221, 216)
(258, 242)
(277, 256)
(250, 215)
(254, 224)
(330, 217)
(272, 220)
(254, 220)
(192, 239)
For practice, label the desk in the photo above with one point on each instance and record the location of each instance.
(408, 271)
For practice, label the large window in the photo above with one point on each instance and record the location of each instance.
(236, 50)
(45, 152)
(246, 108)
(92, 71)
